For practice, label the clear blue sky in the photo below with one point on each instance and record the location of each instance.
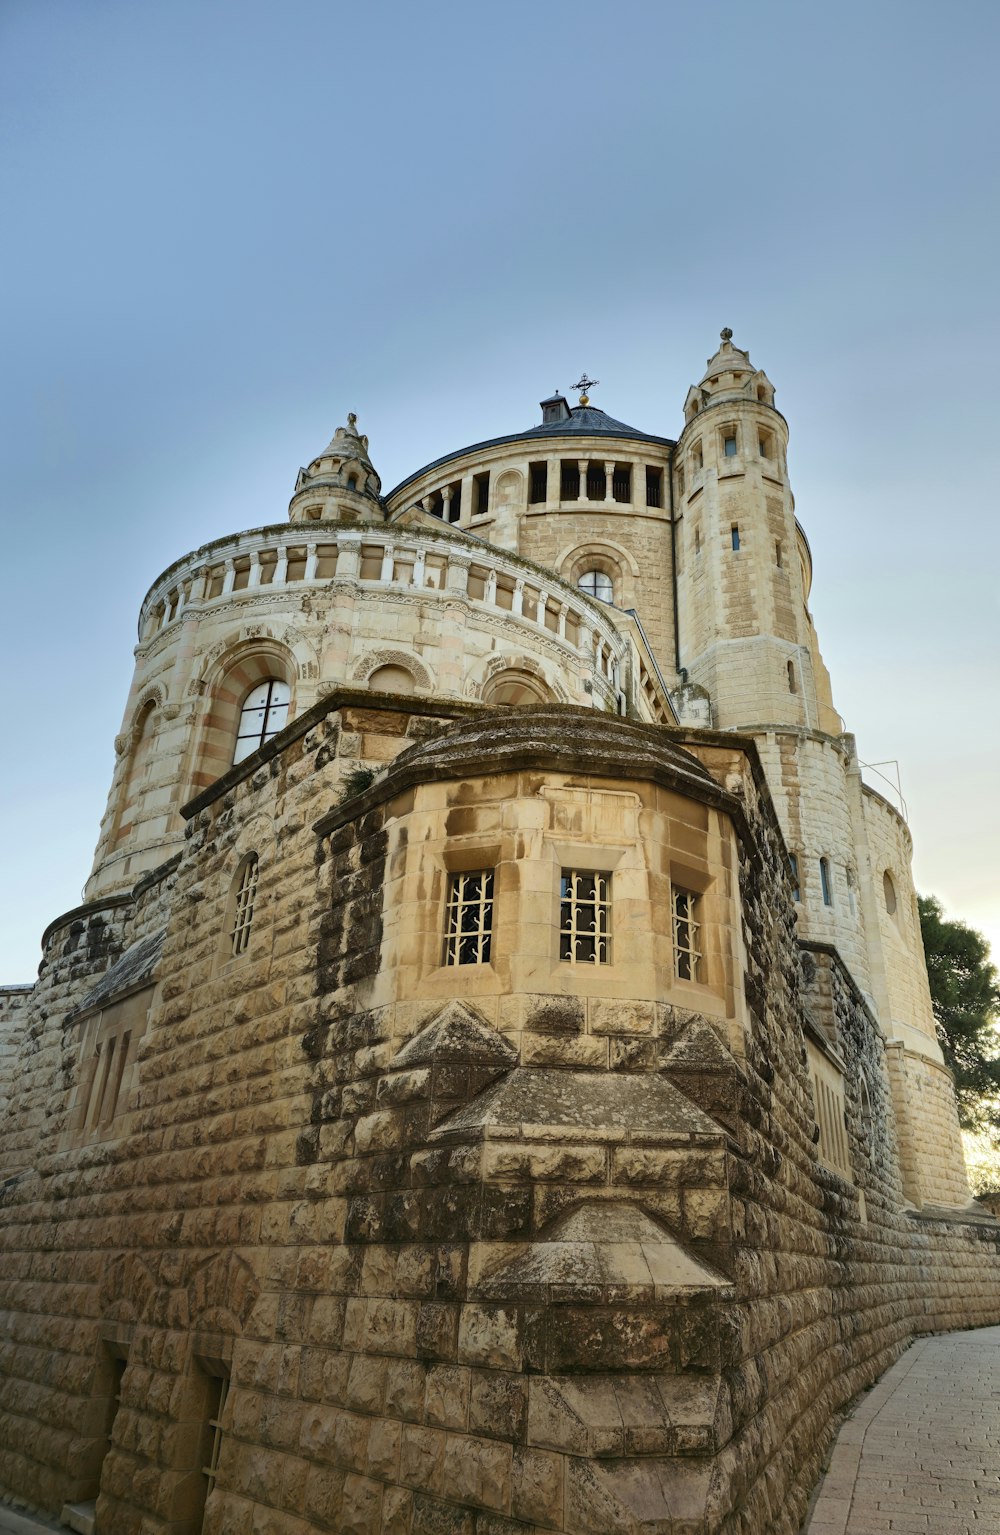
(227, 224)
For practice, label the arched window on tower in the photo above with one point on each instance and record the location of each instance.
(596, 583)
(264, 712)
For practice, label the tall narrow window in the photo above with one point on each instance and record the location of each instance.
(729, 445)
(597, 482)
(697, 458)
(481, 494)
(654, 486)
(621, 484)
(889, 892)
(585, 917)
(246, 894)
(216, 1406)
(824, 880)
(265, 710)
(469, 928)
(734, 534)
(596, 584)
(687, 936)
(794, 866)
(792, 684)
(538, 493)
(777, 553)
(569, 480)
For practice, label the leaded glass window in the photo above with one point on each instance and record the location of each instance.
(264, 713)
(596, 584)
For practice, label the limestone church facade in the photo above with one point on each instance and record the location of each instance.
(490, 1085)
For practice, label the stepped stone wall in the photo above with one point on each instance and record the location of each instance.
(489, 1257)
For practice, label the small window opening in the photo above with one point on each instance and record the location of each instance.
(264, 713)
(352, 482)
(764, 444)
(793, 863)
(687, 936)
(597, 584)
(697, 540)
(889, 892)
(761, 393)
(214, 1390)
(654, 486)
(698, 457)
(539, 483)
(777, 553)
(469, 928)
(621, 484)
(729, 445)
(824, 880)
(569, 480)
(585, 917)
(481, 494)
(246, 894)
(454, 506)
(735, 535)
(792, 685)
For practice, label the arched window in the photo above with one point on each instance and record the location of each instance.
(265, 710)
(596, 583)
(889, 891)
(241, 904)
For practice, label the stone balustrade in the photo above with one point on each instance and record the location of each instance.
(386, 558)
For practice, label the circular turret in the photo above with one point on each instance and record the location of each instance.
(340, 483)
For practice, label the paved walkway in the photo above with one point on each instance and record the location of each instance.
(921, 1453)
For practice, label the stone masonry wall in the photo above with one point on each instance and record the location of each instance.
(582, 1272)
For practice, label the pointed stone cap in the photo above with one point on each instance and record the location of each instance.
(460, 1035)
(539, 1102)
(602, 1251)
(345, 458)
(728, 360)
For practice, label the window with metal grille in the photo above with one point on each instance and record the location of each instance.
(621, 483)
(539, 483)
(246, 893)
(481, 494)
(469, 928)
(687, 936)
(585, 917)
(654, 492)
(569, 480)
(265, 710)
(596, 584)
(218, 1390)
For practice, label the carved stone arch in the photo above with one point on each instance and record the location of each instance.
(228, 672)
(376, 659)
(220, 657)
(521, 677)
(572, 559)
(221, 1294)
(135, 752)
(128, 1292)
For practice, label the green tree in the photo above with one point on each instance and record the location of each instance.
(965, 995)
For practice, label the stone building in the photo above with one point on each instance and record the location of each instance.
(490, 1086)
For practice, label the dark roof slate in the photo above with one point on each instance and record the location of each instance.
(135, 968)
(584, 421)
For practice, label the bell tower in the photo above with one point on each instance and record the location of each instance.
(744, 630)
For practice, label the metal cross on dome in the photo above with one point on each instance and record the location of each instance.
(586, 384)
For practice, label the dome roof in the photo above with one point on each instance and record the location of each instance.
(582, 421)
(728, 359)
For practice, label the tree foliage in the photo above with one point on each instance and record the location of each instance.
(965, 994)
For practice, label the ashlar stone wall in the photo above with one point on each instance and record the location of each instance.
(559, 1252)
